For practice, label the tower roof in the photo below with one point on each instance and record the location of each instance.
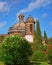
(19, 24)
(21, 14)
(30, 19)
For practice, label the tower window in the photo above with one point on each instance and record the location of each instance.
(30, 27)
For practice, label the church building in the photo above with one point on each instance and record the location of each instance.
(24, 29)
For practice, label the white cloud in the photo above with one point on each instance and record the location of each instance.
(36, 4)
(2, 24)
(44, 15)
(4, 7)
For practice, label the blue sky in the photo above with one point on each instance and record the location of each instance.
(39, 9)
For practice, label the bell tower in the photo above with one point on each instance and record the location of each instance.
(30, 29)
(30, 26)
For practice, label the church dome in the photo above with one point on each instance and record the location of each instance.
(30, 20)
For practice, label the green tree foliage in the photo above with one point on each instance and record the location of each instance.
(44, 63)
(2, 38)
(16, 50)
(1, 53)
(38, 32)
(38, 37)
(45, 36)
(50, 40)
(44, 47)
(50, 55)
(38, 56)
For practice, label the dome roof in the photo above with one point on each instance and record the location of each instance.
(19, 24)
(30, 20)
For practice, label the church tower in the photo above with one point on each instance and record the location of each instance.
(30, 29)
(21, 17)
(30, 26)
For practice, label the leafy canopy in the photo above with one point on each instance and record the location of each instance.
(38, 37)
(16, 50)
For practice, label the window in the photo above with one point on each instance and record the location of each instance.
(31, 28)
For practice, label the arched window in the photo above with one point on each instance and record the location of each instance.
(31, 28)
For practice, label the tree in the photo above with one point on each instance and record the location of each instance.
(50, 55)
(45, 37)
(38, 56)
(2, 38)
(16, 50)
(50, 40)
(38, 37)
(44, 48)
